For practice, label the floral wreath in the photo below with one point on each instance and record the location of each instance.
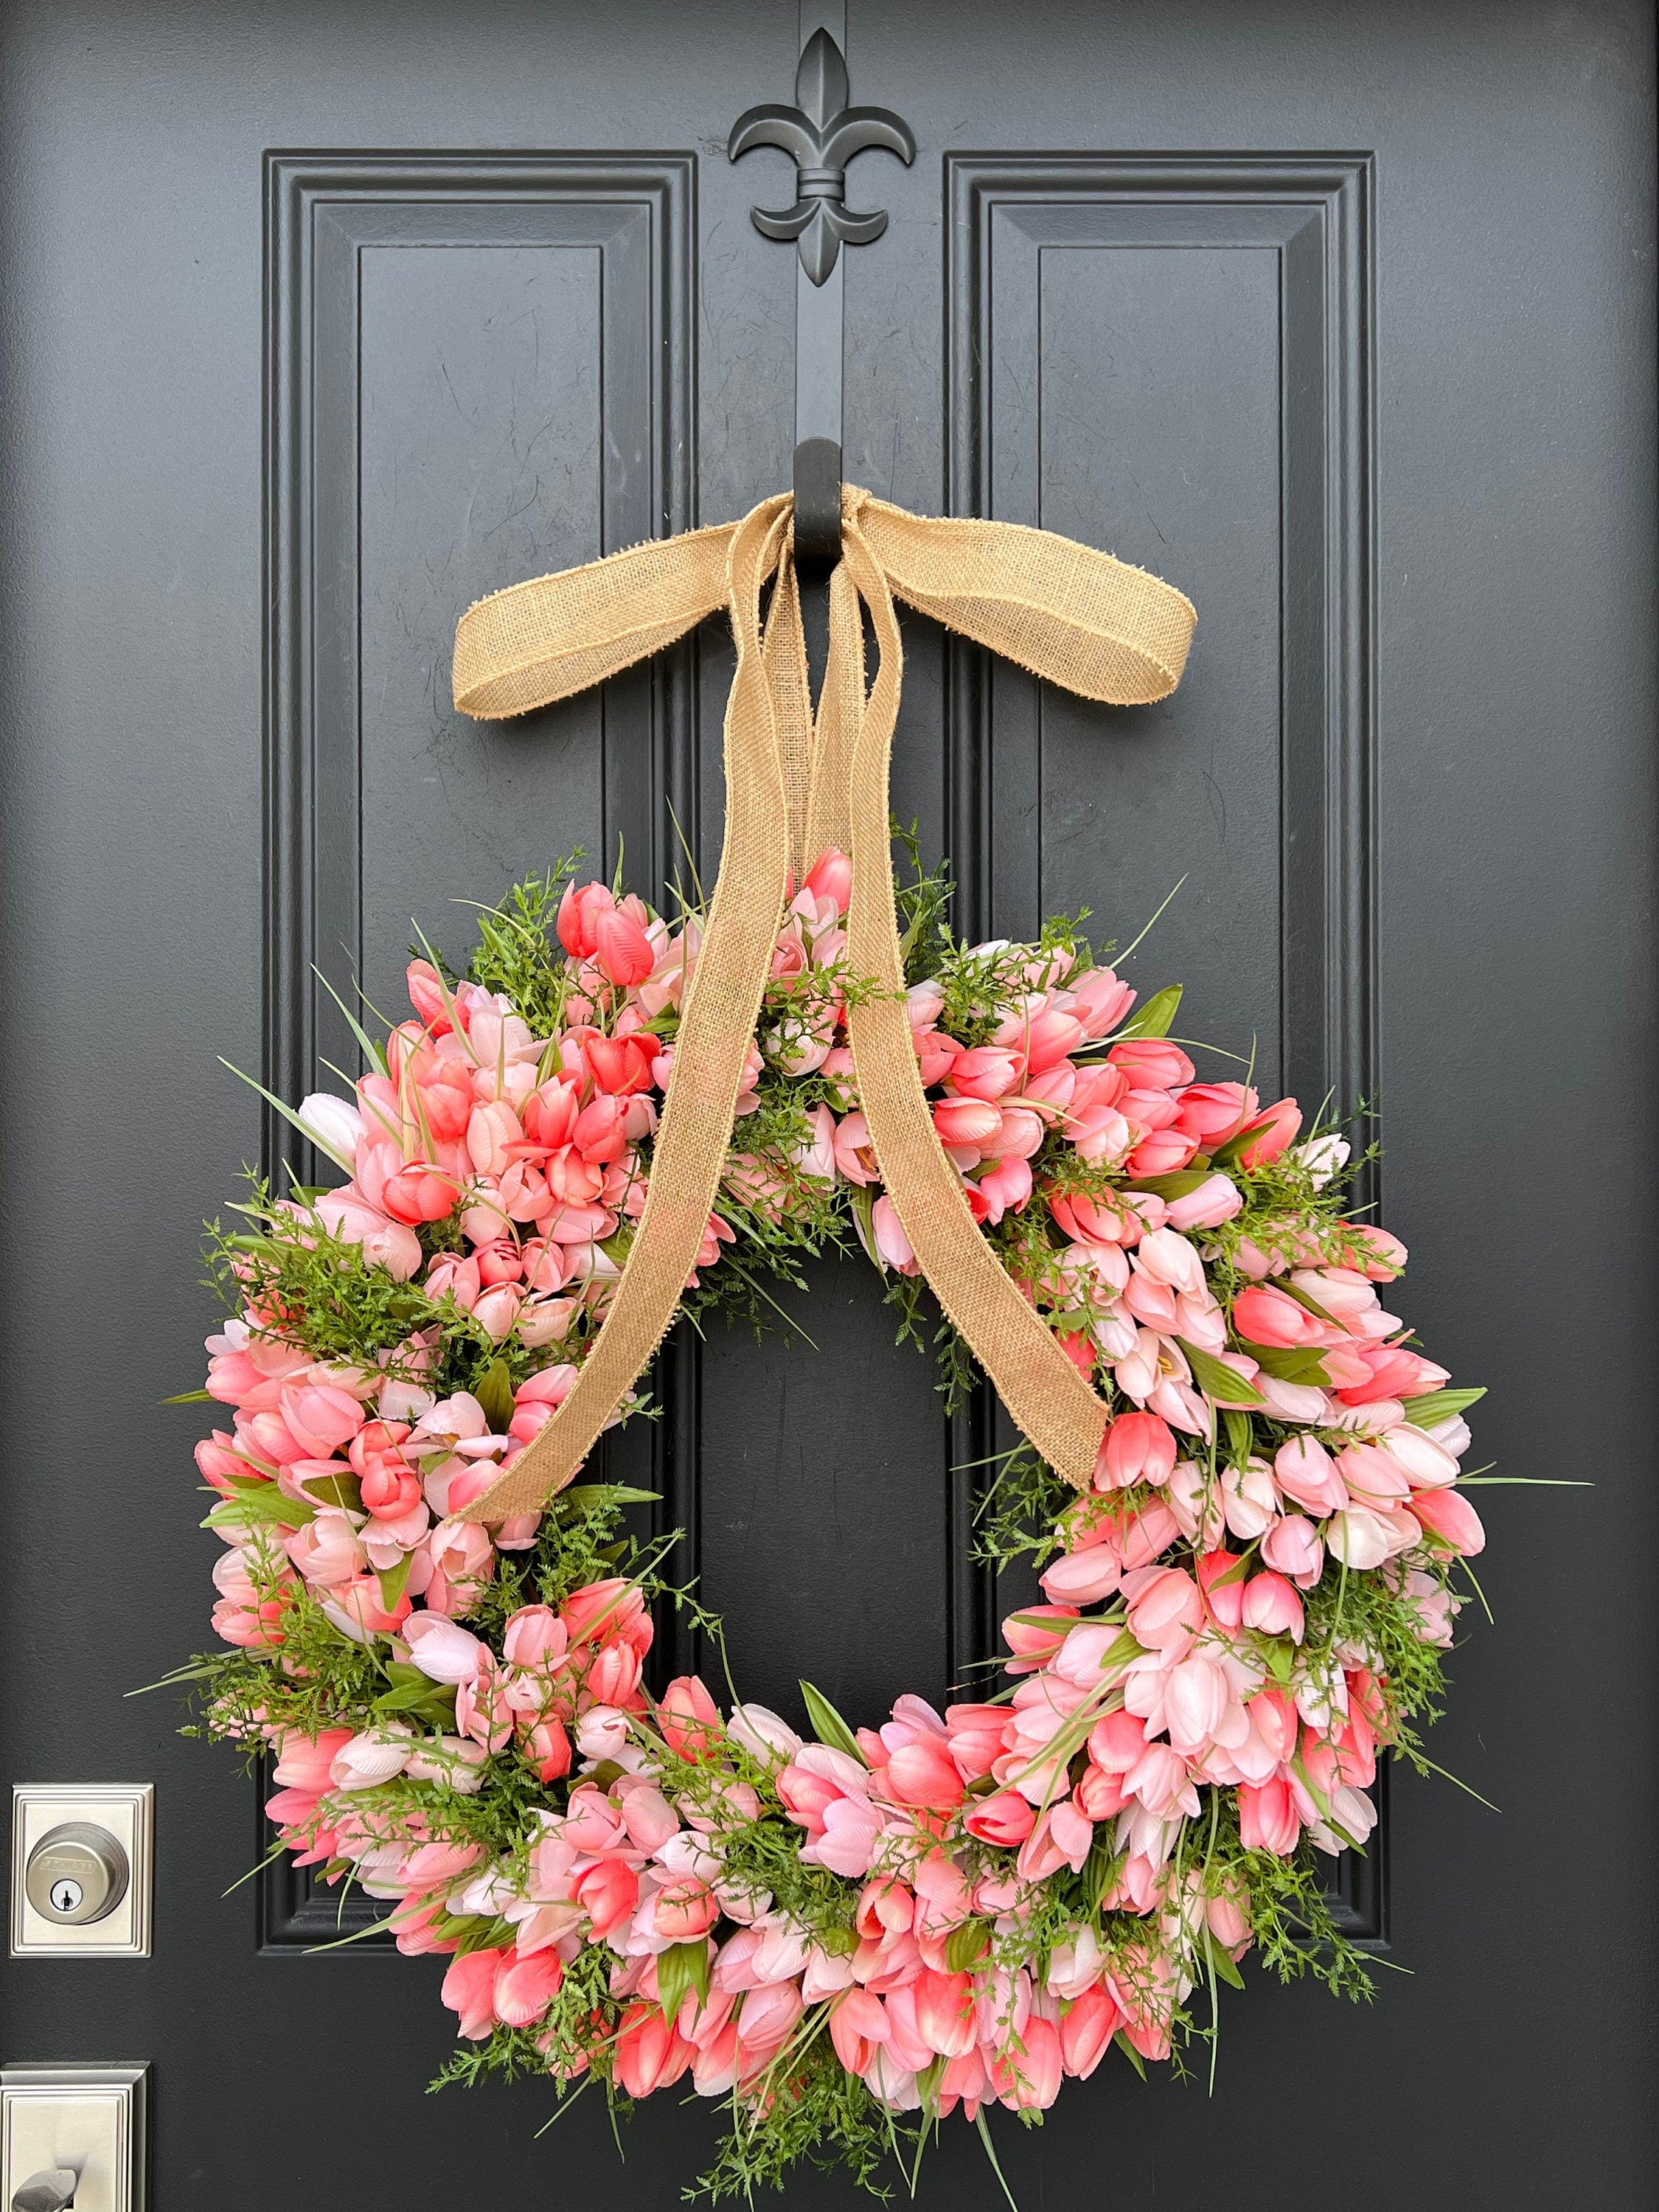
(442, 1639)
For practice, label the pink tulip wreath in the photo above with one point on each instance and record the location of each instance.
(849, 1935)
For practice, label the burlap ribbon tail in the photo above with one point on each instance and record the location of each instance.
(797, 785)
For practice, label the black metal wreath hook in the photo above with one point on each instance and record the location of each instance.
(821, 133)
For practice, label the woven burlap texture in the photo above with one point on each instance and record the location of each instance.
(795, 785)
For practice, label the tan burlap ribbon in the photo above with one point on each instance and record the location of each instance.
(795, 785)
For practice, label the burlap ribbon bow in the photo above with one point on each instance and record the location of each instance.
(795, 785)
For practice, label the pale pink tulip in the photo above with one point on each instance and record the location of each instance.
(1272, 1608)
(1292, 1548)
(442, 1648)
(1216, 1199)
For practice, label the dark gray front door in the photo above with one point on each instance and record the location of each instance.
(1340, 317)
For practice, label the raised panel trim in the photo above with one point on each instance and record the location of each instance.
(321, 209)
(1316, 211)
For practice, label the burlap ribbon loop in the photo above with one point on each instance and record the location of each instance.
(797, 784)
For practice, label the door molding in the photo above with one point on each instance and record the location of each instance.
(324, 211)
(1313, 213)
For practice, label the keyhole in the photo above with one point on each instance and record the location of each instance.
(66, 1895)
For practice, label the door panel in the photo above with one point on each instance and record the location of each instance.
(1340, 318)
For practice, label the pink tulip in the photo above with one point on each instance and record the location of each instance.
(1166, 1609)
(1275, 1720)
(1159, 1778)
(614, 1675)
(1037, 1631)
(1292, 1548)
(945, 2013)
(966, 1122)
(1137, 1448)
(809, 1786)
(685, 1910)
(855, 1155)
(1165, 1151)
(604, 1612)
(1086, 2028)
(469, 1989)
(892, 1245)
(650, 2054)
(830, 877)
(1448, 1514)
(1116, 1742)
(1428, 1464)
(768, 2015)
(852, 1829)
(689, 1718)
(1360, 1538)
(1004, 1188)
(976, 1737)
(442, 1651)
(1195, 1698)
(526, 1987)
(1096, 1221)
(1217, 1199)
(546, 1748)
(1272, 1608)
(372, 1757)
(621, 1065)
(534, 1636)
(858, 2025)
(1391, 1372)
(1152, 1063)
(1100, 1000)
(1028, 2079)
(303, 1764)
(608, 1893)
(986, 1072)
(1005, 1818)
(1382, 1255)
(621, 948)
(1267, 1818)
(922, 1772)
(1213, 1112)
(1264, 1315)
(1083, 1578)
(579, 912)
(1305, 1471)
(427, 994)
(1272, 1133)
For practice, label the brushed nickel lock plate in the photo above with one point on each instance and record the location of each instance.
(83, 1861)
(88, 2120)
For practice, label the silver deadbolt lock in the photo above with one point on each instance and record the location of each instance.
(76, 1873)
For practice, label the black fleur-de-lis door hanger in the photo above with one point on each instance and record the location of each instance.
(822, 134)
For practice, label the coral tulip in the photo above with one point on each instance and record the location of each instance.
(650, 2054)
(1267, 1818)
(1137, 1448)
(1270, 1135)
(1086, 2028)
(1449, 1516)
(689, 1717)
(1005, 1818)
(526, 1987)
(469, 1989)
(924, 1773)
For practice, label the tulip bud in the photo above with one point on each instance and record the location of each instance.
(1272, 1608)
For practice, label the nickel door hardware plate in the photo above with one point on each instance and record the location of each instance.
(82, 1871)
(88, 2119)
